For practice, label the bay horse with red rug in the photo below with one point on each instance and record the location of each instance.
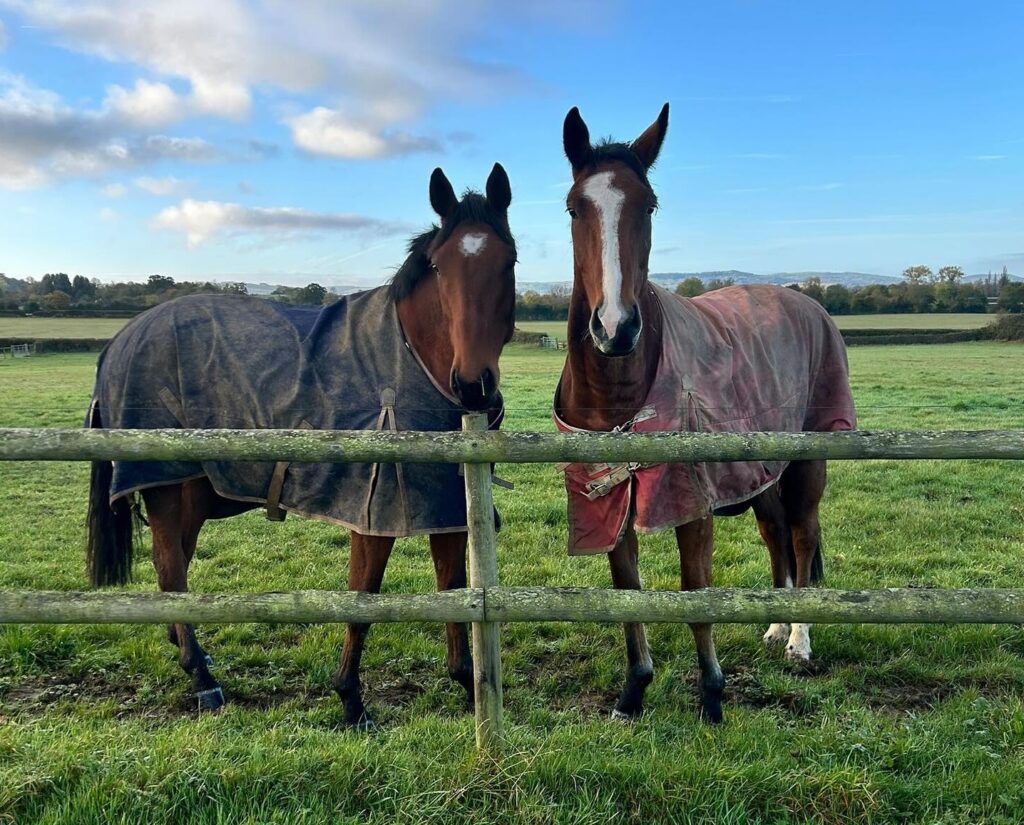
(412, 355)
(643, 359)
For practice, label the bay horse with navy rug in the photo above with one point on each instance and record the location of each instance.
(642, 359)
(412, 355)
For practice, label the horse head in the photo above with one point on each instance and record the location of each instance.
(468, 268)
(611, 203)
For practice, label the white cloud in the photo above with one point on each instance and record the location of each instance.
(108, 214)
(114, 190)
(148, 104)
(227, 98)
(201, 220)
(161, 186)
(990, 157)
(41, 138)
(379, 66)
(326, 131)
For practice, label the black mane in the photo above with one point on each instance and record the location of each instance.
(473, 207)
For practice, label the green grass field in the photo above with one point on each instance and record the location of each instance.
(106, 327)
(928, 320)
(910, 724)
(60, 327)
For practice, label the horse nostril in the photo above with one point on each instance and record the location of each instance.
(454, 383)
(597, 329)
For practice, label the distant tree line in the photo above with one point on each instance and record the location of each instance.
(57, 292)
(920, 291)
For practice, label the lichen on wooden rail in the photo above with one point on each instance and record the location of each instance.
(315, 446)
(327, 606)
(718, 605)
(520, 604)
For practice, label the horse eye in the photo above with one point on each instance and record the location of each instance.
(572, 213)
(434, 269)
(650, 210)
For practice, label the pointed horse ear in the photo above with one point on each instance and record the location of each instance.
(442, 195)
(499, 190)
(576, 140)
(649, 143)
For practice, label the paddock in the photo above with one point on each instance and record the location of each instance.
(936, 699)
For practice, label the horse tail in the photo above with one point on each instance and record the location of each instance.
(111, 536)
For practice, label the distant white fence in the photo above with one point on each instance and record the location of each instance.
(18, 350)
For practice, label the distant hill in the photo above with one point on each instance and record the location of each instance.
(971, 279)
(779, 278)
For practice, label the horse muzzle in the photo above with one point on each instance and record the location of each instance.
(626, 336)
(478, 395)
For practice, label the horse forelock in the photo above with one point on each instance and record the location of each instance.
(473, 208)
(611, 151)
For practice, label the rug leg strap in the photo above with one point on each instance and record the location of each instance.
(274, 511)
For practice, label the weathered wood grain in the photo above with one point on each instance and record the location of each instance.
(45, 444)
(720, 605)
(329, 606)
(483, 573)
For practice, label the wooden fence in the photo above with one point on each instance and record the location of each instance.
(485, 603)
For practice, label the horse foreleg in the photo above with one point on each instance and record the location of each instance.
(367, 561)
(696, 543)
(449, 553)
(164, 507)
(639, 668)
(774, 530)
(803, 486)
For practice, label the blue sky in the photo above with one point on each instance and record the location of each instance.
(293, 141)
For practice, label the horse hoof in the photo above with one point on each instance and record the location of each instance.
(209, 701)
(794, 654)
(623, 717)
(776, 634)
(712, 714)
(208, 659)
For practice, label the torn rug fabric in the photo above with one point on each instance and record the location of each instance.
(226, 361)
(740, 359)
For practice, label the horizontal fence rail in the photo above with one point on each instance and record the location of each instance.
(324, 446)
(293, 607)
(520, 604)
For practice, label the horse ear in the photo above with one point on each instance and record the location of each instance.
(442, 195)
(499, 190)
(576, 140)
(649, 143)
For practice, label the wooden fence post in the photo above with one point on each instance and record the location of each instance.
(483, 573)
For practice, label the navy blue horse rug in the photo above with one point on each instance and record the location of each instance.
(231, 361)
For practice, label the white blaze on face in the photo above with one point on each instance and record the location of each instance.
(608, 200)
(472, 244)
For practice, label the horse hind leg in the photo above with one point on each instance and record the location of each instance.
(803, 485)
(696, 544)
(448, 551)
(169, 527)
(368, 558)
(774, 530)
(640, 667)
